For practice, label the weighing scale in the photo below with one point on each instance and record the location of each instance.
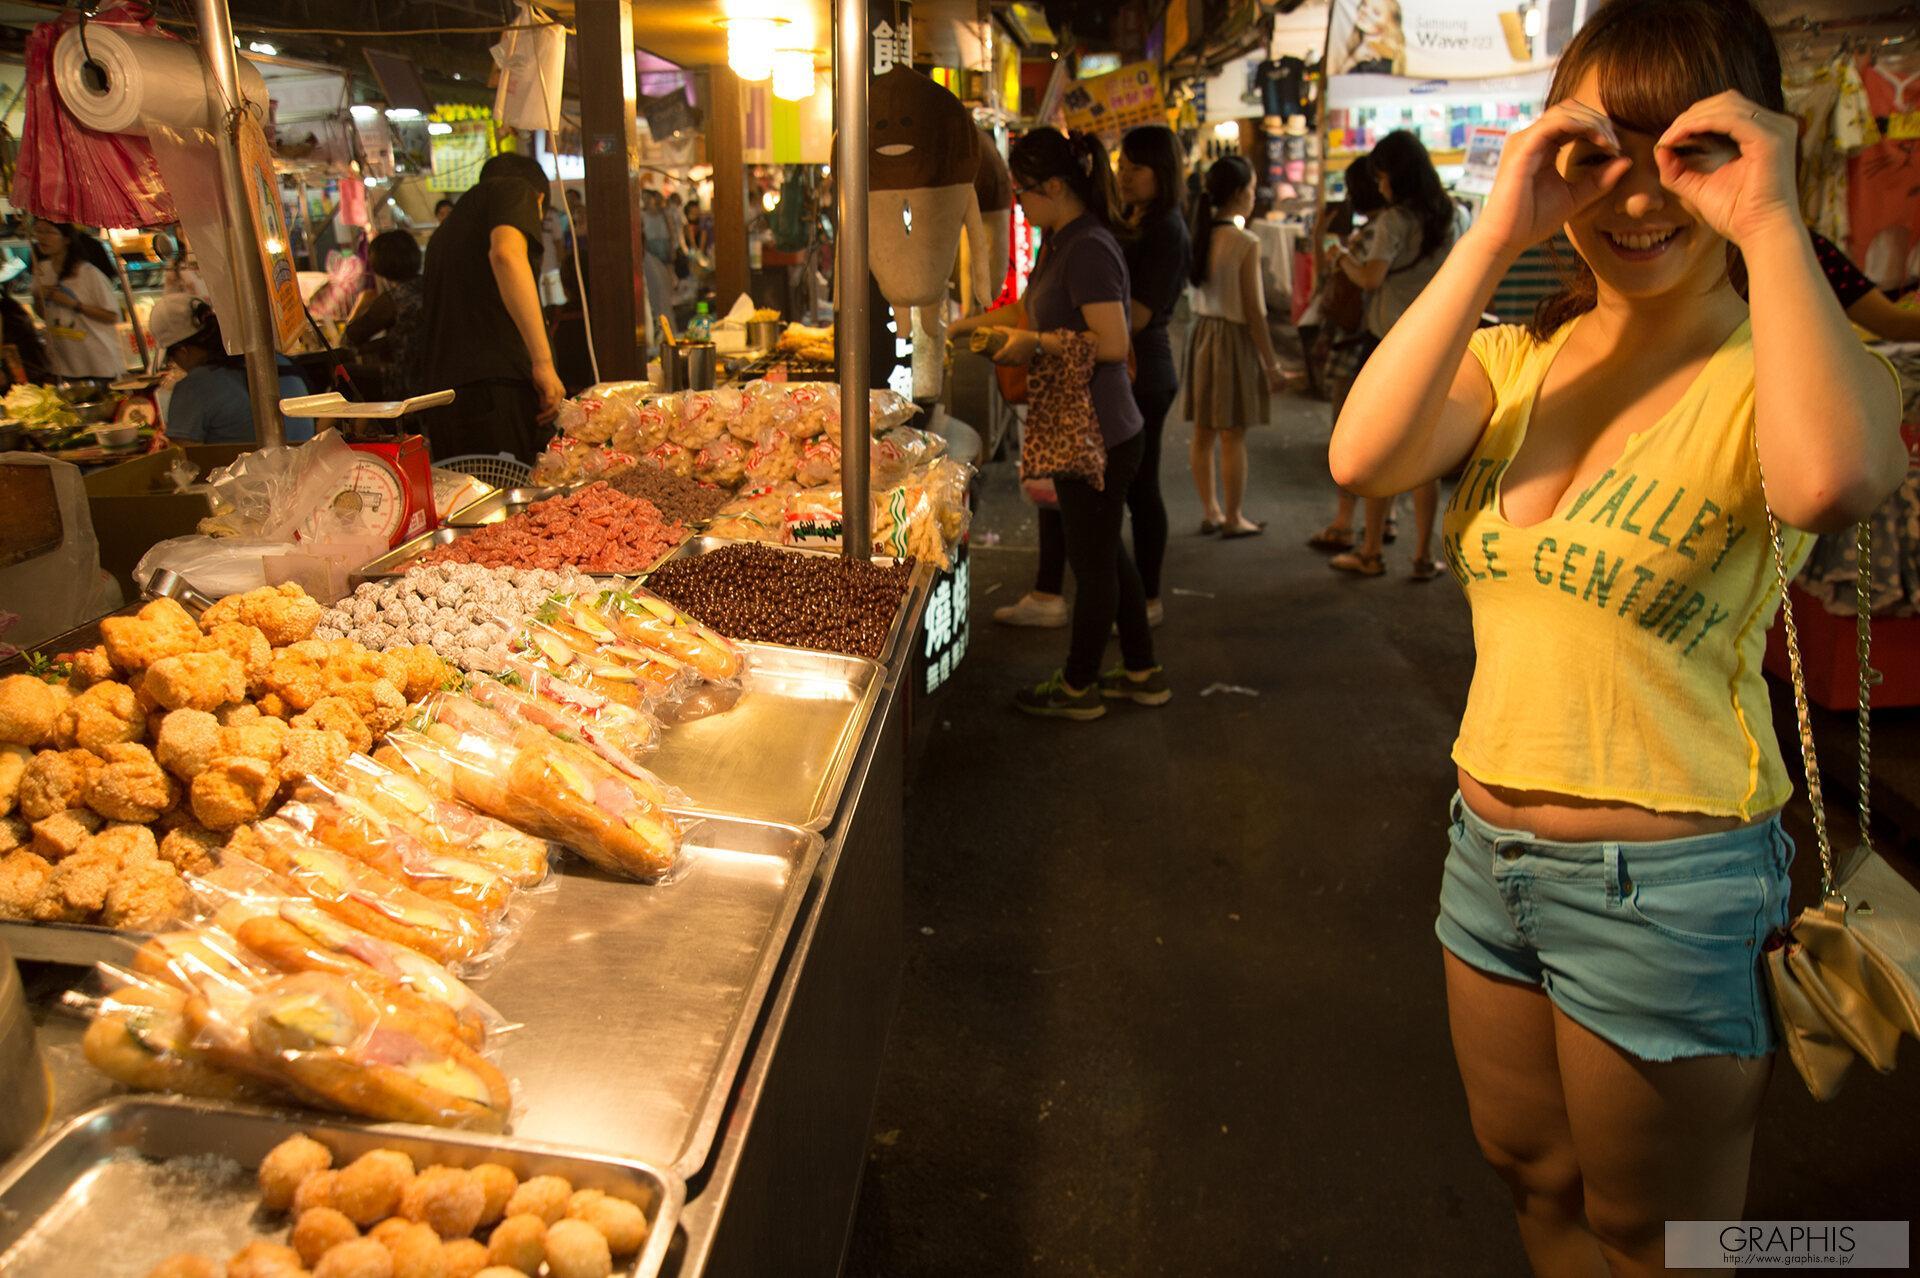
(388, 493)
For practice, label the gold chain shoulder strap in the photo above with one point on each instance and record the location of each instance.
(1863, 626)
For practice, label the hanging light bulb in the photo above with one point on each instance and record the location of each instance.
(750, 46)
(793, 74)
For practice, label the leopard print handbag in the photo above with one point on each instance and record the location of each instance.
(1062, 439)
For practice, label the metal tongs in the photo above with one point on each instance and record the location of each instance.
(165, 583)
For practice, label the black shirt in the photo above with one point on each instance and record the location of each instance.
(468, 336)
(1158, 259)
(1846, 280)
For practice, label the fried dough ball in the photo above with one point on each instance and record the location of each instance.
(128, 845)
(161, 629)
(196, 681)
(500, 1271)
(266, 1260)
(187, 741)
(312, 753)
(319, 1231)
(146, 898)
(188, 1265)
(232, 792)
(519, 1243)
(273, 706)
(286, 1165)
(315, 1191)
(497, 1183)
(362, 1258)
(380, 704)
(23, 877)
(15, 833)
(132, 786)
(78, 886)
(191, 848)
(575, 1249)
(235, 715)
(416, 1252)
(284, 614)
(60, 835)
(369, 1188)
(105, 714)
(28, 709)
(462, 1258)
(62, 738)
(244, 643)
(88, 666)
(335, 714)
(13, 766)
(54, 781)
(446, 1198)
(620, 1222)
(424, 671)
(389, 1229)
(543, 1196)
(261, 738)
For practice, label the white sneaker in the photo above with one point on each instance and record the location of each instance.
(1030, 610)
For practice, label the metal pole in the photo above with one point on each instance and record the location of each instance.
(851, 320)
(306, 221)
(133, 315)
(256, 313)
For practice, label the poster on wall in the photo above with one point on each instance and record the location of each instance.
(270, 231)
(1450, 39)
(1119, 100)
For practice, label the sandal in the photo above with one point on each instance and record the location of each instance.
(1425, 569)
(1332, 538)
(1359, 563)
(1259, 526)
(1208, 528)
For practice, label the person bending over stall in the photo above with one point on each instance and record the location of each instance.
(1617, 859)
(211, 404)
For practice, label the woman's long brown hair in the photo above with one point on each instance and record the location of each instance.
(1656, 58)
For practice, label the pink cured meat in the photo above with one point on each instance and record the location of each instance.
(597, 529)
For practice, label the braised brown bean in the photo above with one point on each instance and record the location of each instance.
(759, 593)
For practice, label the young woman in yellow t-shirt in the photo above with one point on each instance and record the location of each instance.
(1616, 860)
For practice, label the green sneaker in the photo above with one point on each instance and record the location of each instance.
(1118, 685)
(1052, 699)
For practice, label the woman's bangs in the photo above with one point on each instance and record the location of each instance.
(1649, 76)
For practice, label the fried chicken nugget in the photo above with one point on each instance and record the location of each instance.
(23, 876)
(188, 740)
(192, 848)
(13, 765)
(425, 671)
(89, 666)
(54, 781)
(60, 835)
(196, 681)
(295, 675)
(29, 709)
(235, 715)
(14, 833)
(146, 897)
(284, 614)
(245, 644)
(105, 714)
(161, 629)
(261, 737)
(312, 752)
(232, 791)
(132, 786)
(128, 845)
(336, 714)
(77, 889)
(273, 706)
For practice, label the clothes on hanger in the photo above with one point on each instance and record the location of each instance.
(1836, 122)
(1883, 186)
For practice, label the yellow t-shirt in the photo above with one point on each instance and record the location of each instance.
(1618, 642)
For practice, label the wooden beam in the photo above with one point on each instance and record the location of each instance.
(616, 296)
(726, 149)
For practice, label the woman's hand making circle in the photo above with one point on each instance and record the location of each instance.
(1732, 161)
(1531, 198)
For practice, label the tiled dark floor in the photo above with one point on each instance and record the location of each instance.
(1172, 1002)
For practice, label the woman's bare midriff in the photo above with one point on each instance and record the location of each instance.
(1563, 818)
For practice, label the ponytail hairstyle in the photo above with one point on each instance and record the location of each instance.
(1416, 186)
(1226, 177)
(1656, 58)
(1077, 159)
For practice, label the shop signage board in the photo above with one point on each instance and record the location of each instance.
(1450, 39)
(1483, 158)
(1178, 34)
(1117, 101)
(890, 29)
(457, 156)
(270, 231)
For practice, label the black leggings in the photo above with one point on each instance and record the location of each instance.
(1108, 583)
(1149, 508)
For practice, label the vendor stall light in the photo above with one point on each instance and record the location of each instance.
(439, 129)
(1531, 23)
(262, 48)
(1227, 130)
(361, 111)
(793, 74)
(750, 46)
(404, 113)
(274, 247)
(770, 201)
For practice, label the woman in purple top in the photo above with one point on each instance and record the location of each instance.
(1065, 187)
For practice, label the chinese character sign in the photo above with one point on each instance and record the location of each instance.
(1117, 101)
(892, 45)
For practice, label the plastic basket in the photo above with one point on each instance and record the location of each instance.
(502, 470)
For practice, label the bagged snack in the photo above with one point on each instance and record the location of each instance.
(348, 825)
(139, 1038)
(705, 416)
(774, 459)
(442, 823)
(819, 463)
(615, 732)
(641, 617)
(724, 462)
(671, 458)
(572, 639)
(556, 788)
(645, 428)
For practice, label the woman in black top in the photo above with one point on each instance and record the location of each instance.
(1154, 238)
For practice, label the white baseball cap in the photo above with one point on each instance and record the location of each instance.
(176, 317)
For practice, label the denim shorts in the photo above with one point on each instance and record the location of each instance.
(1655, 947)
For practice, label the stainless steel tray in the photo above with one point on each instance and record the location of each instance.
(644, 998)
(783, 752)
(896, 634)
(75, 944)
(135, 1180)
(500, 503)
(396, 561)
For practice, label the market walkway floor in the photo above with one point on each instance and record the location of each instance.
(1172, 1002)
